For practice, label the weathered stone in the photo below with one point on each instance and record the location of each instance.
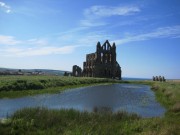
(76, 71)
(102, 63)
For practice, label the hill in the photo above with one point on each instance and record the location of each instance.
(11, 71)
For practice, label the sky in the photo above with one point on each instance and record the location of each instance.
(57, 34)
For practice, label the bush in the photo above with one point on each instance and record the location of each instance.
(34, 85)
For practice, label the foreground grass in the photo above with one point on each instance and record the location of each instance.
(168, 94)
(18, 86)
(44, 121)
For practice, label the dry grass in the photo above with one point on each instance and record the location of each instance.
(176, 107)
(175, 80)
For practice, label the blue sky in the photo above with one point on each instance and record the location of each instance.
(57, 34)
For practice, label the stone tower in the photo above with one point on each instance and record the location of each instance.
(102, 63)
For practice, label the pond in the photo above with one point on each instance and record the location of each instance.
(133, 98)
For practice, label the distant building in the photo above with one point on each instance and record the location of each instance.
(102, 63)
(76, 71)
(159, 78)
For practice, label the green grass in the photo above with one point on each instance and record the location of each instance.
(167, 93)
(43, 121)
(18, 86)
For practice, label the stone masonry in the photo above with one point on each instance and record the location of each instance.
(102, 63)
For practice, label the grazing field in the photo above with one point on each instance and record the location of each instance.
(18, 86)
(43, 121)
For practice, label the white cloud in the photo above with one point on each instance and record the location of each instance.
(5, 7)
(32, 47)
(105, 11)
(8, 40)
(91, 23)
(20, 52)
(13, 50)
(43, 46)
(46, 51)
(163, 32)
(83, 38)
(38, 41)
(95, 14)
(49, 46)
(91, 38)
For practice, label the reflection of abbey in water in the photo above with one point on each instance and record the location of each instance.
(102, 63)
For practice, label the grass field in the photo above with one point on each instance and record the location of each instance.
(43, 121)
(18, 86)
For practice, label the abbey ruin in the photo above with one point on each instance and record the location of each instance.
(102, 63)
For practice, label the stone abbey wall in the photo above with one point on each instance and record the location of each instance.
(76, 71)
(102, 63)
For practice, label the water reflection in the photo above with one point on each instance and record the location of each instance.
(117, 97)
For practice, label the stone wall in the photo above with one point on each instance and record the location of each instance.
(103, 62)
(76, 71)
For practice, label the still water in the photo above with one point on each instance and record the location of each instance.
(138, 99)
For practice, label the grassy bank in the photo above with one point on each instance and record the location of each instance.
(167, 93)
(18, 86)
(44, 121)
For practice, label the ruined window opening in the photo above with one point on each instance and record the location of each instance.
(101, 57)
(101, 54)
(107, 46)
(76, 73)
(104, 47)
